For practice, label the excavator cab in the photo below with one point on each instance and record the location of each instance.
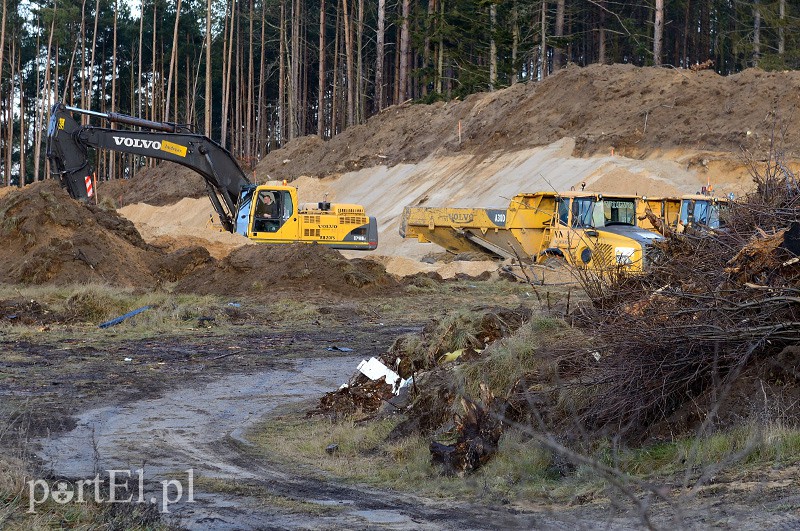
(273, 208)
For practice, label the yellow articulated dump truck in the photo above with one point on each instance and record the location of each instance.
(676, 213)
(585, 229)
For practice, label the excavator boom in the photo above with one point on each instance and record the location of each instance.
(67, 143)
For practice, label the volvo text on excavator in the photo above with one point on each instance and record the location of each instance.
(263, 213)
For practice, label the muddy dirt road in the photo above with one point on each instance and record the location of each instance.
(203, 428)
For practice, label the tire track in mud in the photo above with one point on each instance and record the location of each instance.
(201, 428)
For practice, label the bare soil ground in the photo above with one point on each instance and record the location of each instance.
(639, 112)
(187, 400)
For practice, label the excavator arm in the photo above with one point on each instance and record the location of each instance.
(68, 143)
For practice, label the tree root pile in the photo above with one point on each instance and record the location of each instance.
(478, 435)
(430, 403)
(361, 397)
(713, 305)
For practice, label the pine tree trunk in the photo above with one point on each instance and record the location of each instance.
(153, 74)
(756, 33)
(335, 89)
(405, 38)
(22, 135)
(294, 71)
(440, 58)
(10, 110)
(136, 159)
(248, 133)
(262, 76)
(426, 46)
(37, 109)
(348, 45)
(83, 54)
(544, 39)
(304, 106)
(111, 155)
(781, 36)
(282, 78)
(379, 38)
(207, 107)
(492, 47)
(360, 65)
(601, 48)
(321, 80)
(47, 92)
(558, 32)
(658, 32)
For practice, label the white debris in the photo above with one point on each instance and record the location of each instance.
(374, 369)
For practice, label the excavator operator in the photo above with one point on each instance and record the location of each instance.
(267, 218)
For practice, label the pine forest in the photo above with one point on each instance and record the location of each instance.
(254, 74)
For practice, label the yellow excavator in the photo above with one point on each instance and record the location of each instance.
(263, 213)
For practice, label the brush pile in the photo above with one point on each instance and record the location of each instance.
(711, 305)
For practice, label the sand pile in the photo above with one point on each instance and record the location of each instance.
(263, 269)
(49, 238)
(190, 221)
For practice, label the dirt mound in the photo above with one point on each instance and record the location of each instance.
(163, 185)
(637, 111)
(264, 269)
(49, 238)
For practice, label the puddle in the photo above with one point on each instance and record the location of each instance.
(383, 517)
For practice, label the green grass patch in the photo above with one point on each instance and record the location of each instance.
(521, 469)
(747, 446)
(511, 358)
(251, 490)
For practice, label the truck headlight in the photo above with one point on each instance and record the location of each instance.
(624, 255)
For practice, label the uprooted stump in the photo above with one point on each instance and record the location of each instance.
(361, 396)
(479, 431)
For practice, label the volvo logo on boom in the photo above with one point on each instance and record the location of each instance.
(137, 142)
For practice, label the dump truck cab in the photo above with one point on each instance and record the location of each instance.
(676, 213)
(593, 230)
(701, 210)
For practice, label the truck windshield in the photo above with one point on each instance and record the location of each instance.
(587, 212)
(701, 212)
(619, 211)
